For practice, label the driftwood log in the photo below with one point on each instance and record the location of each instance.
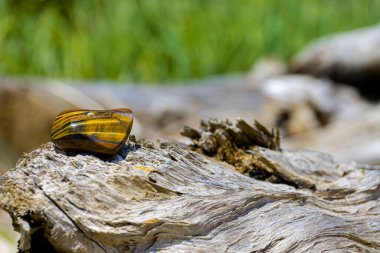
(171, 199)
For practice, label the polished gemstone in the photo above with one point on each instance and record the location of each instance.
(92, 131)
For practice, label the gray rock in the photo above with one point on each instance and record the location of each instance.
(264, 69)
(290, 90)
(351, 58)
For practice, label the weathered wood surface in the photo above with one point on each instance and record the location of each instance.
(169, 199)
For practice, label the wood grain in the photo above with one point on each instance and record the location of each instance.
(174, 200)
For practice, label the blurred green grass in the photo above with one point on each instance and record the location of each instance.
(150, 40)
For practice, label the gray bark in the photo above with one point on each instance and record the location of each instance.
(169, 199)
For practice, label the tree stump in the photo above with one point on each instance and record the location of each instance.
(169, 199)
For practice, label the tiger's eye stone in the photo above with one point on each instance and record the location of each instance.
(93, 131)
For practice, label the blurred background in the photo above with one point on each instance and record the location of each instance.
(310, 68)
(160, 41)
